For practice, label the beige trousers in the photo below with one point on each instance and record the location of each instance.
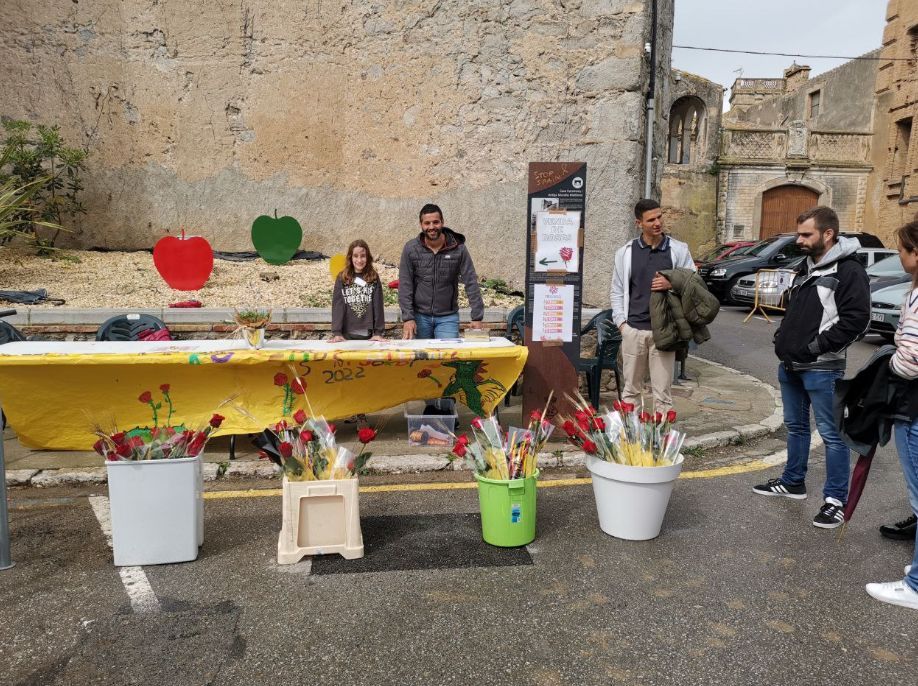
(640, 355)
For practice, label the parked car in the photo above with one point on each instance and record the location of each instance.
(885, 305)
(728, 249)
(777, 252)
(743, 293)
(887, 272)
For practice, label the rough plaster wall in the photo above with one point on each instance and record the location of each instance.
(346, 115)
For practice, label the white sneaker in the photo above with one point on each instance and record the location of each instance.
(894, 593)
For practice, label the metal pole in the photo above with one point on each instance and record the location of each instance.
(5, 560)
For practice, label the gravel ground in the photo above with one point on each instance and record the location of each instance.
(86, 279)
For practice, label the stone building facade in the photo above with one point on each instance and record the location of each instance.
(347, 115)
(791, 143)
(892, 197)
(688, 189)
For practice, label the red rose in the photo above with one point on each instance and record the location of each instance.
(584, 424)
(145, 397)
(299, 386)
(164, 388)
(463, 440)
(307, 436)
(580, 415)
(644, 417)
(366, 434)
(569, 428)
(300, 416)
(599, 424)
(285, 449)
(262, 455)
(657, 417)
(589, 446)
(566, 253)
(671, 416)
(197, 444)
(628, 407)
(535, 416)
(99, 447)
(124, 450)
(459, 450)
(424, 373)
(280, 379)
(118, 437)
(281, 425)
(393, 284)
(216, 420)
(616, 405)
(476, 423)
(332, 428)
(136, 442)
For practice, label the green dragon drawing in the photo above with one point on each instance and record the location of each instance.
(468, 379)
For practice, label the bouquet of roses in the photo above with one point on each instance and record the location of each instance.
(624, 435)
(306, 450)
(503, 455)
(158, 443)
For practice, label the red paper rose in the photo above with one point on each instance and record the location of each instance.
(299, 416)
(589, 446)
(569, 428)
(462, 440)
(307, 436)
(285, 449)
(145, 397)
(366, 434)
(280, 379)
(671, 416)
(459, 450)
(598, 424)
(216, 420)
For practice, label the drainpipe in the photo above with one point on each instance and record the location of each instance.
(651, 86)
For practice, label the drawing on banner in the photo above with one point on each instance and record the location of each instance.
(557, 242)
(553, 312)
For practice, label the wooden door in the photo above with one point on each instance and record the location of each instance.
(782, 205)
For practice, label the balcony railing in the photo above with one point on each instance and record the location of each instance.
(772, 144)
(759, 85)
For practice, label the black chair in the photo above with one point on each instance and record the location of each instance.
(608, 343)
(128, 327)
(8, 334)
(516, 324)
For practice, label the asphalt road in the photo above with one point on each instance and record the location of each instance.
(738, 589)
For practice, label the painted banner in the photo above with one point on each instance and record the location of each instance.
(55, 393)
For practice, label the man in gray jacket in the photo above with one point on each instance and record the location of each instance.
(637, 274)
(428, 280)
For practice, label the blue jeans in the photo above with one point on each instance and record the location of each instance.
(432, 326)
(799, 391)
(907, 446)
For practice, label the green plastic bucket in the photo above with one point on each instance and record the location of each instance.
(508, 510)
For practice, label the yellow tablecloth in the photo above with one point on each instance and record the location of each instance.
(54, 393)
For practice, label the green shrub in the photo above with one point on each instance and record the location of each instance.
(35, 157)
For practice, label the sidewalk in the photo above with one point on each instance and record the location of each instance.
(717, 407)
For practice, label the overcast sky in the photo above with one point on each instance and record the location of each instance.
(811, 27)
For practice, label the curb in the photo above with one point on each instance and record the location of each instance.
(418, 464)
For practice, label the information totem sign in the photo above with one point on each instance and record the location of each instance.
(554, 282)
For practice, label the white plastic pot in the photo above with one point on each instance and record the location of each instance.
(631, 501)
(157, 510)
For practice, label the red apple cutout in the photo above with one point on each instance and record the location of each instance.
(184, 263)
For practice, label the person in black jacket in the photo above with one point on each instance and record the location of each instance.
(428, 280)
(828, 309)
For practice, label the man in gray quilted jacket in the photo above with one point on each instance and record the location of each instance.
(428, 280)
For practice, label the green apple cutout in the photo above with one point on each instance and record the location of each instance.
(276, 239)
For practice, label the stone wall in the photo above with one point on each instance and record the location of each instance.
(689, 191)
(892, 190)
(346, 115)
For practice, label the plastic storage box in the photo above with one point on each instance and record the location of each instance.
(436, 429)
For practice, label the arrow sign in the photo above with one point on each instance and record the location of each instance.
(545, 261)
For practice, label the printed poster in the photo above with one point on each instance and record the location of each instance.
(553, 312)
(557, 244)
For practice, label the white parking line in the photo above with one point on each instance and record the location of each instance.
(135, 581)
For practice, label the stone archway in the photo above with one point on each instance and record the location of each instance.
(785, 200)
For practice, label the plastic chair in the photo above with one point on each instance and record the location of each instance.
(8, 334)
(128, 327)
(516, 325)
(608, 343)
